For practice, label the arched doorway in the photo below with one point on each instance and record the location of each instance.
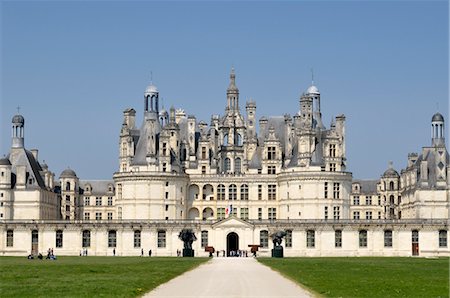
(232, 242)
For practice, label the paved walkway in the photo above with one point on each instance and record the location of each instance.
(230, 277)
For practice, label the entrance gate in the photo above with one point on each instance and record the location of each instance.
(232, 242)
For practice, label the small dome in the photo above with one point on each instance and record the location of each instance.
(151, 89)
(391, 173)
(437, 117)
(4, 162)
(68, 173)
(18, 119)
(312, 90)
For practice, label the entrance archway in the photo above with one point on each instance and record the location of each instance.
(232, 242)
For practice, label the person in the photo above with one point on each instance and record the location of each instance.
(40, 257)
(114, 251)
(149, 252)
(142, 252)
(223, 253)
(210, 254)
(217, 252)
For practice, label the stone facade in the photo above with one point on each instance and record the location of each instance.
(226, 179)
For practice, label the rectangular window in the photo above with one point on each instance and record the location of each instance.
(356, 200)
(310, 239)
(233, 212)
(325, 190)
(442, 238)
(272, 213)
(368, 214)
(110, 201)
(86, 238)
(379, 215)
(167, 207)
(336, 212)
(288, 238)
(244, 213)
(98, 201)
(221, 192)
(112, 238)
(9, 238)
(259, 213)
(220, 213)
(204, 238)
(87, 201)
(387, 238)
(67, 198)
(355, 214)
(87, 216)
(264, 239)
(332, 167)
(203, 170)
(325, 211)
(203, 152)
(272, 191)
(259, 192)
(271, 153)
(336, 191)
(67, 208)
(110, 216)
(244, 192)
(368, 200)
(161, 239)
(363, 238)
(166, 195)
(332, 150)
(338, 238)
(137, 239)
(59, 239)
(98, 216)
(271, 170)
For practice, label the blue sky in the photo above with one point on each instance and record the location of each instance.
(73, 67)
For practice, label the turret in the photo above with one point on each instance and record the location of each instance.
(18, 127)
(232, 94)
(437, 130)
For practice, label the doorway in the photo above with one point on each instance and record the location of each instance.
(34, 242)
(232, 242)
(415, 242)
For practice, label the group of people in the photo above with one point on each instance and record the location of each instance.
(149, 252)
(84, 252)
(233, 253)
(50, 255)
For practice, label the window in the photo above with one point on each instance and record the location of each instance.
(161, 239)
(271, 153)
(237, 165)
(232, 192)
(332, 167)
(9, 238)
(379, 201)
(332, 150)
(87, 216)
(442, 238)
(271, 170)
(244, 213)
(387, 238)
(87, 201)
(368, 214)
(67, 185)
(368, 200)
(67, 208)
(336, 187)
(204, 238)
(338, 238)
(336, 212)
(325, 211)
(112, 238)
(244, 192)
(164, 167)
(415, 237)
(86, 238)
(356, 200)
(59, 238)
(203, 152)
(259, 213)
(226, 165)
(325, 190)
(379, 215)
(363, 238)
(110, 216)
(288, 238)
(137, 239)
(167, 207)
(272, 213)
(98, 201)
(264, 239)
(220, 213)
(310, 238)
(98, 216)
(67, 198)
(203, 170)
(221, 192)
(391, 185)
(259, 192)
(110, 201)
(272, 192)
(355, 214)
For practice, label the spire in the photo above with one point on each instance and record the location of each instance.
(232, 86)
(312, 77)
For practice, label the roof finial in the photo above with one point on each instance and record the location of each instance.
(312, 76)
(151, 77)
(18, 110)
(391, 164)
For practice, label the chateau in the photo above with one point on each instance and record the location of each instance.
(233, 184)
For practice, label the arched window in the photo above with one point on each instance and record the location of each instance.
(244, 192)
(288, 239)
(225, 140)
(204, 238)
(226, 165)
(391, 200)
(112, 238)
(391, 185)
(442, 238)
(264, 238)
(238, 140)
(221, 192)
(387, 238)
(86, 238)
(237, 165)
(67, 185)
(232, 192)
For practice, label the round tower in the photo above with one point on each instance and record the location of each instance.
(437, 130)
(18, 126)
(151, 98)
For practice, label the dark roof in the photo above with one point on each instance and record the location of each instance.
(4, 162)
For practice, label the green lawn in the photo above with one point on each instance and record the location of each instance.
(88, 276)
(367, 277)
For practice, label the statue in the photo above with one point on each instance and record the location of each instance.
(188, 237)
(277, 237)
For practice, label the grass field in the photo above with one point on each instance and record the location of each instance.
(88, 276)
(367, 277)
